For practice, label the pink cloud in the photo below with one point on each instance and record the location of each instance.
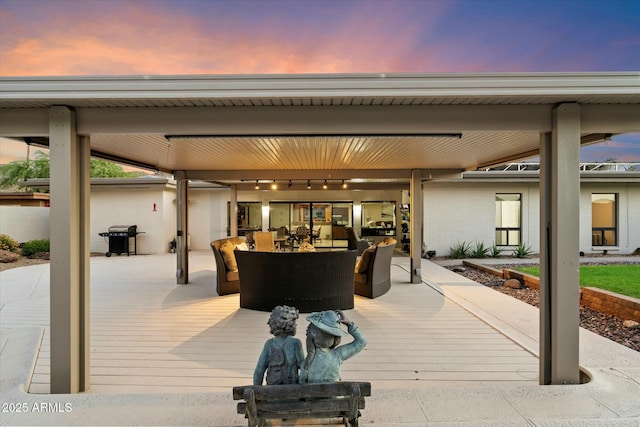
(141, 40)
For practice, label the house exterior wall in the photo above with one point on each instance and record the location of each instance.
(113, 205)
(456, 212)
(207, 216)
(24, 223)
(466, 212)
(170, 223)
(628, 216)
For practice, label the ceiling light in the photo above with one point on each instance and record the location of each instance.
(344, 184)
(289, 185)
(325, 184)
(274, 186)
(257, 185)
(309, 184)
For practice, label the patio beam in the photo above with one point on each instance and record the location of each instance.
(559, 248)
(69, 274)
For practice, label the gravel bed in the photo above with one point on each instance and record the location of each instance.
(610, 327)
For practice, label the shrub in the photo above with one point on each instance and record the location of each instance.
(460, 250)
(8, 244)
(34, 246)
(495, 251)
(480, 251)
(522, 251)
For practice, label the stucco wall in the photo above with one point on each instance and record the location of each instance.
(130, 206)
(453, 212)
(24, 223)
(465, 212)
(207, 217)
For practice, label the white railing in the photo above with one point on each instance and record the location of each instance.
(587, 166)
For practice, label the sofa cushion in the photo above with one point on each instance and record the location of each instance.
(226, 249)
(233, 276)
(242, 246)
(360, 277)
(365, 259)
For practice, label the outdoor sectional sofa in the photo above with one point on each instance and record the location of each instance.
(373, 271)
(228, 278)
(309, 281)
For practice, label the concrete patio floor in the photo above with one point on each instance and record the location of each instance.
(445, 352)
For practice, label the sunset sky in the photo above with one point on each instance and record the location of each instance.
(132, 37)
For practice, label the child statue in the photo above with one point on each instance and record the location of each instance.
(324, 357)
(282, 355)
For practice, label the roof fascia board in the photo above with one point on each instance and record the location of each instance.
(314, 85)
(529, 176)
(144, 182)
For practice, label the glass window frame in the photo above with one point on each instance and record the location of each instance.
(602, 231)
(310, 213)
(241, 230)
(508, 230)
(367, 230)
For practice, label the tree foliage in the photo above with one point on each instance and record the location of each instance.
(14, 174)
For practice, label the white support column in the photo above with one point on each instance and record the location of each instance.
(416, 226)
(233, 211)
(69, 236)
(182, 238)
(559, 248)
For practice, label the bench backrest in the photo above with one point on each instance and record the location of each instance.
(323, 400)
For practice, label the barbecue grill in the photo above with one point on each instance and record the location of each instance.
(119, 237)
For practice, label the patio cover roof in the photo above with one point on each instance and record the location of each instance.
(391, 127)
(235, 128)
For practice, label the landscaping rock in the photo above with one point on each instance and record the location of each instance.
(459, 269)
(513, 284)
(630, 324)
(8, 256)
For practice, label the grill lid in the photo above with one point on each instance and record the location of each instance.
(130, 229)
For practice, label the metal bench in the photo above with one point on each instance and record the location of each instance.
(294, 401)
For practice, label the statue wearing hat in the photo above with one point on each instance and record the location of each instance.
(282, 355)
(324, 355)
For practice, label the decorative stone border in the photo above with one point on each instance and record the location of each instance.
(622, 306)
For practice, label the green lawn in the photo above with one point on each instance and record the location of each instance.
(621, 279)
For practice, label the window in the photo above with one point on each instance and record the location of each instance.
(378, 218)
(327, 219)
(604, 223)
(249, 217)
(508, 208)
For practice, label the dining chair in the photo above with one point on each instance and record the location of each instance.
(264, 241)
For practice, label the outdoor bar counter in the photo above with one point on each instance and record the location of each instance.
(309, 281)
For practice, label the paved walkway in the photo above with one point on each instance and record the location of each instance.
(445, 352)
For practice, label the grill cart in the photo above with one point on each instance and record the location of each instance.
(119, 237)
